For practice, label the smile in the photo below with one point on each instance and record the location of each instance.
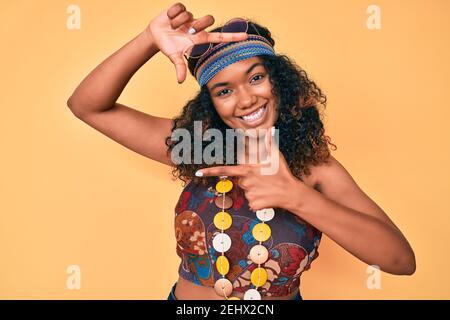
(255, 117)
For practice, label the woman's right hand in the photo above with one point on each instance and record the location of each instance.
(169, 31)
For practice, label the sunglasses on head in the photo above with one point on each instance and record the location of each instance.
(232, 26)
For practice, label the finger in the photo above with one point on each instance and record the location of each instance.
(230, 171)
(175, 10)
(202, 23)
(181, 19)
(180, 66)
(241, 183)
(216, 37)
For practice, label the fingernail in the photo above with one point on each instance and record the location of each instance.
(192, 30)
(199, 173)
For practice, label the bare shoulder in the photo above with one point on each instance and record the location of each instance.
(330, 169)
(317, 172)
(334, 181)
(331, 177)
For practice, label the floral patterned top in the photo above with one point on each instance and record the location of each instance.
(292, 245)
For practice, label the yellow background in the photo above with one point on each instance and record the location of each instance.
(71, 196)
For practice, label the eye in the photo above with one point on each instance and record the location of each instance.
(258, 75)
(219, 94)
(224, 90)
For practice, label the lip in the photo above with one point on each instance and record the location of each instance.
(253, 110)
(256, 122)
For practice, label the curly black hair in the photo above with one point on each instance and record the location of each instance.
(302, 138)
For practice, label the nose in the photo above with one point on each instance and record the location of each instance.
(246, 99)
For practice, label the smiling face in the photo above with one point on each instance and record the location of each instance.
(242, 95)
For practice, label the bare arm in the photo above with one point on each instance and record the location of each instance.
(354, 221)
(94, 100)
(102, 86)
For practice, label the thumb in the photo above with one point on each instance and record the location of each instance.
(180, 66)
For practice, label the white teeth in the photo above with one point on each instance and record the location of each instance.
(255, 115)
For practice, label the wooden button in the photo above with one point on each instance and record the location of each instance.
(222, 265)
(222, 220)
(259, 277)
(252, 294)
(226, 203)
(223, 186)
(259, 254)
(265, 214)
(261, 232)
(221, 242)
(223, 287)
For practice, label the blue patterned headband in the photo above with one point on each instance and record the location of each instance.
(227, 53)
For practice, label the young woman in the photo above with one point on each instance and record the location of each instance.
(242, 233)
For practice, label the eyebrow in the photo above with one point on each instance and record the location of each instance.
(222, 84)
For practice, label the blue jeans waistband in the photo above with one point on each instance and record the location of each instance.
(172, 294)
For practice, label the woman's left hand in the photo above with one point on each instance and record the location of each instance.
(268, 184)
